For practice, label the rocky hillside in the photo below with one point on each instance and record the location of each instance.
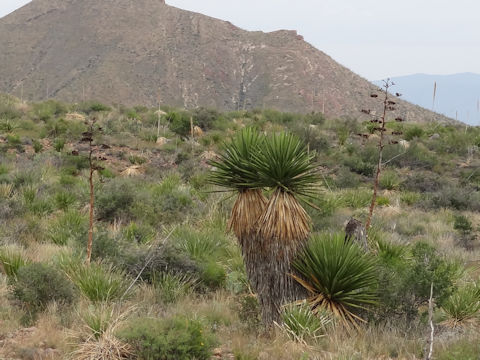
(119, 51)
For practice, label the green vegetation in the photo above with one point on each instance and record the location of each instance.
(197, 261)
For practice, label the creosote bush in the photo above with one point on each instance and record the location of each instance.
(177, 338)
(38, 284)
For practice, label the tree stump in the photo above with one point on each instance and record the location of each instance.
(355, 231)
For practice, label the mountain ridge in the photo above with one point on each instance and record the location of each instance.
(142, 53)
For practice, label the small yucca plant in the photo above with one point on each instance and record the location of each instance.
(172, 287)
(302, 325)
(11, 260)
(463, 307)
(97, 282)
(339, 277)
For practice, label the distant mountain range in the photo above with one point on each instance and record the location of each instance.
(457, 95)
(145, 51)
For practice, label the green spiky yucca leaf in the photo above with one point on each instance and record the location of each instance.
(339, 276)
(234, 168)
(286, 163)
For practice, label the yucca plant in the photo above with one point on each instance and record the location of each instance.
(234, 170)
(338, 276)
(97, 282)
(270, 232)
(286, 167)
(11, 260)
(302, 325)
(462, 307)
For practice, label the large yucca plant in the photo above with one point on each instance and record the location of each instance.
(338, 275)
(269, 232)
(234, 170)
(286, 167)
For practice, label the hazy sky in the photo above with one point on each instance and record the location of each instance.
(375, 38)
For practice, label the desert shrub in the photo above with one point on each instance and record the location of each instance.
(462, 224)
(14, 140)
(59, 144)
(92, 106)
(359, 166)
(162, 259)
(248, 310)
(347, 179)
(423, 182)
(115, 199)
(175, 338)
(417, 156)
(9, 111)
(97, 282)
(72, 164)
(37, 146)
(38, 284)
(464, 349)
(383, 201)
(205, 118)
(413, 132)
(11, 260)
(327, 205)
(301, 324)
(104, 245)
(179, 122)
(138, 233)
(338, 276)
(212, 275)
(408, 274)
(314, 118)
(457, 198)
(55, 128)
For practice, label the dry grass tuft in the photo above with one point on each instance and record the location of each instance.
(108, 347)
(134, 170)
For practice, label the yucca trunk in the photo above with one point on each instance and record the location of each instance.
(246, 211)
(283, 230)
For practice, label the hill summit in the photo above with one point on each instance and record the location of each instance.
(145, 51)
